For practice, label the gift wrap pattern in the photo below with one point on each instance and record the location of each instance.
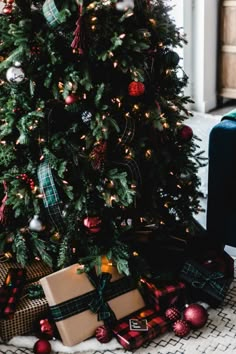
(24, 319)
(131, 339)
(160, 298)
(78, 307)
(203, 284)
(34, 271)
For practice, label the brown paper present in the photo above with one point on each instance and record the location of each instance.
(24, 319)
(34, 271)
(69, 295)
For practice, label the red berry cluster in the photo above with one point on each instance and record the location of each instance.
(24, 177)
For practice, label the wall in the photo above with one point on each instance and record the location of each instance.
(204, 39)
(200, 21)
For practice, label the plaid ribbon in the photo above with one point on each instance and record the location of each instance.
(202, 282)
(212, 286)
(134, 339)
(202, 278)
(98, 304)
(51, 198)
(83, 302)
(51, 12)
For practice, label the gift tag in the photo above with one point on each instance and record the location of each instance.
(138, 325)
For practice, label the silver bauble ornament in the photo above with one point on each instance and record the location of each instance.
(15, 73)
(36, 224)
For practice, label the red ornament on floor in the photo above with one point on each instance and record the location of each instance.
(42, 346)
(181, 328)
(136, 88)
(196, 315)
(173, 314)
(103, 334)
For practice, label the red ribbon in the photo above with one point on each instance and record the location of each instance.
(76, 43)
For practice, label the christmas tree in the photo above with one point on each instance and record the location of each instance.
(94, 144)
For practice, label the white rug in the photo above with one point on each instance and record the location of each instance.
(218, 336)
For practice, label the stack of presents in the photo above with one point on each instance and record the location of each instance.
(106, 304)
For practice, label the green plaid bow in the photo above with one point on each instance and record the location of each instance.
(203, 278)
(98, 304)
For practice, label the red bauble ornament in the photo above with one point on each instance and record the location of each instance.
(186, 133)
(103, 334)
(181, 328)
(71, 99)
(93, 224)
(196, 315)
(136, 88)
(7, 9)
(46, 328)
(173, 314)
(42, 346)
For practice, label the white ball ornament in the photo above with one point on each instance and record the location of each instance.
(15, 73)
(125, 5)
(36, 224)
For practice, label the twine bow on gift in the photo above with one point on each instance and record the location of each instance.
(211, 280)
(98, 304)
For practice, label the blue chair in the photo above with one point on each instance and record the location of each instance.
(221, 203)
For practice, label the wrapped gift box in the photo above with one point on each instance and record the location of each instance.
(24, 319)
(160, 298)
(34, 271)
(218, 261)
(142, 327)
(72, 299)
(204, 284)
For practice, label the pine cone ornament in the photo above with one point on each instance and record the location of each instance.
(181, 328)
(98, 155)
(103, 334)
(136, 88)
(173, 314)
